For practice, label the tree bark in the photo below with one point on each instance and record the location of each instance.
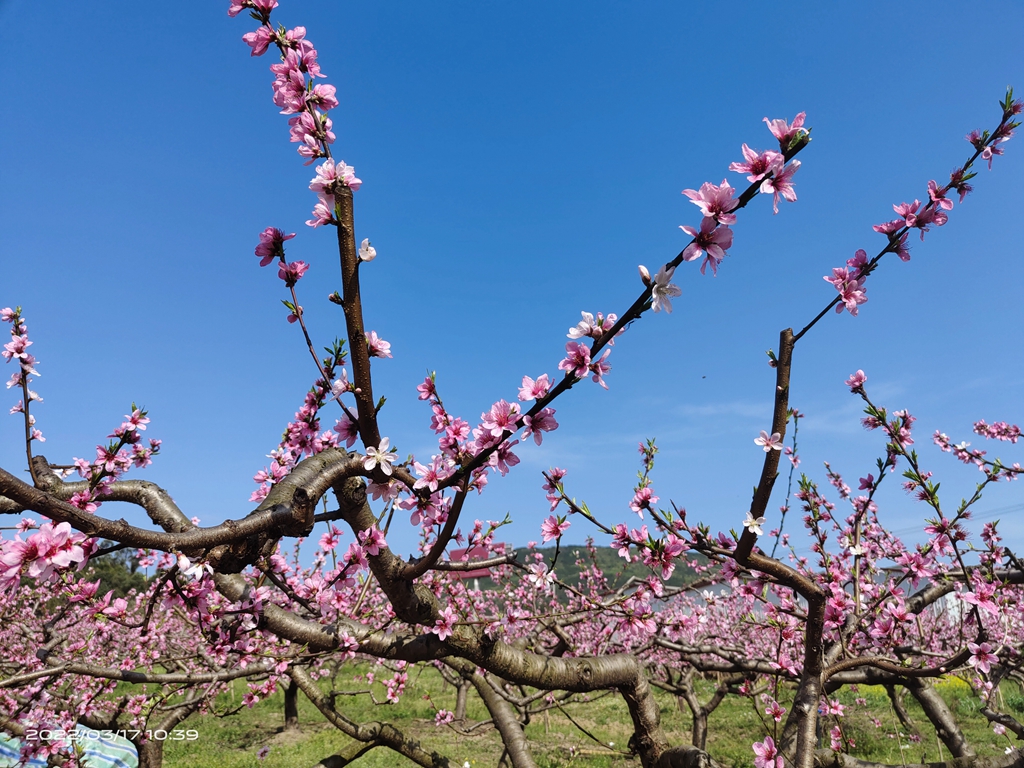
(347, 756)
(516, 745)
(899, 709)
(291, 706)
(938, 713)
(151, 754)
(460, 700)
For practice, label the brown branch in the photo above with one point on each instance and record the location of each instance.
(512, 736)
(351, 303)
(287, 511)
(472, 565)
(113, 673)
(941, 718)
(375, 733)
(770, 468)
(421, 566)
(348, 755)
(693, 655)
(1007, 721)
(896, 669)
(901, 712)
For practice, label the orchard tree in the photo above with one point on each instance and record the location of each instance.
(240, 600)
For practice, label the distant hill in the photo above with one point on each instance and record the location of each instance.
(616, 570)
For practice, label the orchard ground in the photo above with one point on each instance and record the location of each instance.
(233, 742)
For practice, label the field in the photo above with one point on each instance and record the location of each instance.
(598, 739)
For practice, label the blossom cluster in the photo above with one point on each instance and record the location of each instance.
(643, 491)
(768, 170)
(329, 178)
(17, 349)
(114, 459)
(303, 435)
(922, 214)
(51, 550)
(577, 362)
(849, 281)
(999, 430)
(995, 470)
(459, 445)
(307, 101)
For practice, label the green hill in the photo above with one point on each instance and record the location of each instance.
(573, 558)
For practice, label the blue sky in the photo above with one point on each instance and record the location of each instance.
(519, 161)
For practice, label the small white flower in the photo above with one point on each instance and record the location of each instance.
(382, 457)
(662, 290)
(754, 525)
(366, 251)
(773, 443)
(192, 571)
(541, 577)
(341, 385)
(856, 550)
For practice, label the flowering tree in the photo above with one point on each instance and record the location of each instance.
(790, 630)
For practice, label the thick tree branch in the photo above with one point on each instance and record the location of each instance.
(113, 673)
(382, 734)
(512, 737)
(770, 468)
(359, 353)
(286, 511)
(941, 717)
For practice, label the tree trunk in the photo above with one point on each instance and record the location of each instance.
(899, 709)
(460, 700)
(291, 706)
(938, 713)
(151, 754)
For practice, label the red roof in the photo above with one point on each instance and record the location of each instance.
(475, 553)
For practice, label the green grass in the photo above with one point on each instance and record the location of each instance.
(232, 742)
